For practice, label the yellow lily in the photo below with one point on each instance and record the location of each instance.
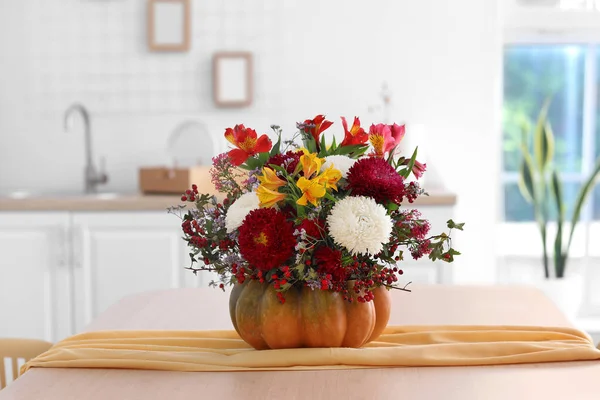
(268, 198)
(330, 177)
(312, 190)
(310, 162)
(270, 180)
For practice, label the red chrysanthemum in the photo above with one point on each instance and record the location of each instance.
(313, 228)
(289, 160)
(329, 261)
(374, 177)
(266, 238)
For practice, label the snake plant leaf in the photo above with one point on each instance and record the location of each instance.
(525, 125)
(543, 139)
(526, 180)
(557, 194)
(580, 201)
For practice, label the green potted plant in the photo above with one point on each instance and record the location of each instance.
(541, 185)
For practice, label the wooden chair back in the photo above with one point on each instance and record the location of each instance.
(15, 349)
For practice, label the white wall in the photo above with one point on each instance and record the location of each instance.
(442, 59)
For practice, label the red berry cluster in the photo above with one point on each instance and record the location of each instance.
(239, 273)
(420, 249)
(412, 191)
(282, 276)
(198, 241)
(190, 195)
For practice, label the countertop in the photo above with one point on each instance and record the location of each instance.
(142, 202)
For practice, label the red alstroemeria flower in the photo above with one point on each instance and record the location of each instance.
(316, 126)
(247, 142)
(356, 134)
(381, 139)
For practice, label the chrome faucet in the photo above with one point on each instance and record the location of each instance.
(92, 177)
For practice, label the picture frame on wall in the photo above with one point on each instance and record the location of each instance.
(233, 79)
(169, 25)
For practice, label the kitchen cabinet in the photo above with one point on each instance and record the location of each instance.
(121, 253)
(59, 270)
(34, 275)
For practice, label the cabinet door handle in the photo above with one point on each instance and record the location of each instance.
(76, 246)
(60, 243)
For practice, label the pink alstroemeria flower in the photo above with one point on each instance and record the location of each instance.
(381, 139)
(418, 169)
(398, 132)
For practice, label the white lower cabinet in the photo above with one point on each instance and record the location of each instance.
(34, 275)
(60, 270)
(118, 254)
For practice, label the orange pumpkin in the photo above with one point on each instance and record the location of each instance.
(308, 318)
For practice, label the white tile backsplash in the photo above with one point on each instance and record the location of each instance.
(96, 52)
(441, 59)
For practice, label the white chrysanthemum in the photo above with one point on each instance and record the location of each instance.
(360, 225)
(341, 163)
(239, 209)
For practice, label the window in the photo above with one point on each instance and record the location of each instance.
(569, 73)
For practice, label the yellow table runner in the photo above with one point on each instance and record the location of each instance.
(398, 346)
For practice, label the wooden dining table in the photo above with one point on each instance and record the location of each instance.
(203, 309)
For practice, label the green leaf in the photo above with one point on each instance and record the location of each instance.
(453, 225)
(405, 173)
(548, 143)
(525, 132)
(543, 139)
(277, 168)
(309, 141)
(354, 151)
(323, 147)
(526, 183)
(557, 194)
(276, 149)
(581, 198)
(392, 206)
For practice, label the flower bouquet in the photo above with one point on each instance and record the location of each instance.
(310, 233)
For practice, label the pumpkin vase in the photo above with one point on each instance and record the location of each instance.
(307, 318)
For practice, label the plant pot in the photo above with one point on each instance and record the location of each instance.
(308, 318)
(566, 293)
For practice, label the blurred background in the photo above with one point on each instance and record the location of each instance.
(95, 92)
